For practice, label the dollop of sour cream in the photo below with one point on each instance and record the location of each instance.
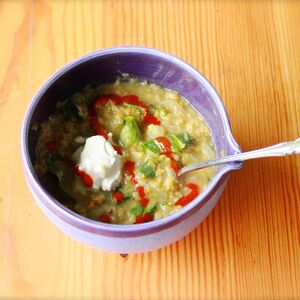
(99, 160)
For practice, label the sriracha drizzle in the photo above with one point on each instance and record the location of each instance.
(129, 167)
(130, 99)
(190, 196)
(166, 147)
(86, 179)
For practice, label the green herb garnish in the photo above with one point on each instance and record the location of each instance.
(137, 210)
(130, 133)
(152, 146)
(152, 206)
(127, 194)
(147, 168)
(179, 141)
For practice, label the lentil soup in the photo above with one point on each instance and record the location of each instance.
(151, 133)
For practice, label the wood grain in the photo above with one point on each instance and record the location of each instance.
(249, 247)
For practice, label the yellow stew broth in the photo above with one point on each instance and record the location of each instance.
(168, 134)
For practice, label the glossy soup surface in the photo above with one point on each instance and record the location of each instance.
(163, 133)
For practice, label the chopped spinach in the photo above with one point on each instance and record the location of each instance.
(53, 169)
(69, 110)
(59, 173)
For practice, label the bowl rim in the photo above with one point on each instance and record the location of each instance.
(117, 229)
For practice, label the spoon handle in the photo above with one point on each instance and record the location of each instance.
(282, 149)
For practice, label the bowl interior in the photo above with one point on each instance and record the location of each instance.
(156, 67)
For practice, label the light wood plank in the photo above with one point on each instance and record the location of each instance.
(249, 247)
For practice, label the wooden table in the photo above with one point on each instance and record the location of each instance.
(249, 247)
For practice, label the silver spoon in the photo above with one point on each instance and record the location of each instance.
(282, 149)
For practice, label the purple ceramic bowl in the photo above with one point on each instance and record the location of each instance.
(157, 67)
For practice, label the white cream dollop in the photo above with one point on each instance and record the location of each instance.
(99, 159)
